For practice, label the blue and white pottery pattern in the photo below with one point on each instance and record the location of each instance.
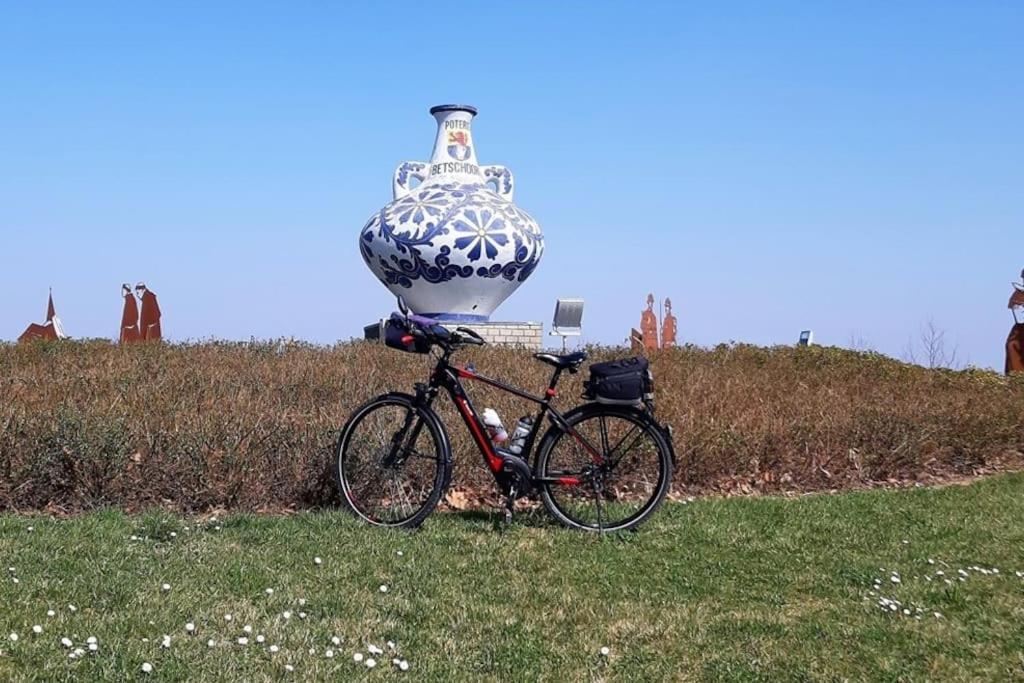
(454, 246)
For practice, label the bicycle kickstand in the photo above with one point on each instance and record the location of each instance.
(510, 502)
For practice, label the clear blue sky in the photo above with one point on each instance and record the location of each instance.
(853, 168)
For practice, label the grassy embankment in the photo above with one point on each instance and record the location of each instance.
(250, 427)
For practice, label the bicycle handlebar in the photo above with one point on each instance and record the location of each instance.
(435, 333)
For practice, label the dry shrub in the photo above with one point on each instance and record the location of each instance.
(251, 426)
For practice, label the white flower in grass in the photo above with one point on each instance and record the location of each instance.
(317, 560)
(605, 651)
(403, 665)
(269, 591)
(370, 663)
(165, 642)
(302, 602)
(72, 608)
(289, 668)
(211, 642)
(357, 657)
(247, 628)
(16, 580)
(273, 649)
(391, 645)
(383, 588)
(906, 612)
(14, 637)
(302, 615)
(11, 569)
(243, 640)
(335, 640)
(312, 650)
(895, 579)
(37, 629)
(93, 647)
(329, 653)
(147, 668)
(938, 615)
(165, 587)
(399, 553)
(190, 627)
(227, 617)
(50, 613)
(374, 650)
(133, 537)
(174, 535)
(286, 614)
(31, 529)
(66, 642)
(260, 638)
(91, 640)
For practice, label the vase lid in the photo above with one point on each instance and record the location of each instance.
(453, 107)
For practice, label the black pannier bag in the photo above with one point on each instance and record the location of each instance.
(397, 336)
(620, 382)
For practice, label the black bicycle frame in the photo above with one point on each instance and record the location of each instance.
(447, 377)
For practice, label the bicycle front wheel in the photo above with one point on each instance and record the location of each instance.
(392, 462)
(608, 472)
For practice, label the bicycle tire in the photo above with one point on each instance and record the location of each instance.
(344, 465)
(555, 496)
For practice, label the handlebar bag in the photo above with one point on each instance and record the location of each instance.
(398, 336)
(620, 382)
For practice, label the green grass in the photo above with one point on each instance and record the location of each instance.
(740, 589)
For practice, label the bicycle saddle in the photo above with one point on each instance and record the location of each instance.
(571, 361)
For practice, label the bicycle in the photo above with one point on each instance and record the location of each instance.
(393, 459)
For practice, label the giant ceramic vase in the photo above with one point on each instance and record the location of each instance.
(452, 243)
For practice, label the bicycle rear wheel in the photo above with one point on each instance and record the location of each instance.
(392, 462)
(610, 475)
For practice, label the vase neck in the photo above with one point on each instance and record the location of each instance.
(454, 151)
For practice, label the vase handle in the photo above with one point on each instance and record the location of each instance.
(502, 178)
(405, 174)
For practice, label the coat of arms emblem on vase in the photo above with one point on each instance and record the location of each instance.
(452, 243)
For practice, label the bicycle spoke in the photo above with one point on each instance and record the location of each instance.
(378, 489)
(614, 493)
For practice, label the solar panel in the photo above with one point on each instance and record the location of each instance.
(568, 320)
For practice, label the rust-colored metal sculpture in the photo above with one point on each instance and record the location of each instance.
(668, 327)
(51, 330)
(1015, 341)
(647, 336)
(149, 319)
(636, 340)
(129, 317)
(649, 325)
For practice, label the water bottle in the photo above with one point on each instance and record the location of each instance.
(495, 429)
(523, 428)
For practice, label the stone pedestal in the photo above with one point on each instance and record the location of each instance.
(525, 335)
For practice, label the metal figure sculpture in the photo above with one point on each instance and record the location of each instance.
(51, 330)
(649, 325)
(1015, 341)
(129, 317)
(668, 327)
(149, 320)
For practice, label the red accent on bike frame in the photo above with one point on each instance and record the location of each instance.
(408, 339)
(568, 481)
(482, 441)
(594, 455)
(464, 373)
(551, 393)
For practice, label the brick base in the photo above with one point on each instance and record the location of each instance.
(525, 335)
